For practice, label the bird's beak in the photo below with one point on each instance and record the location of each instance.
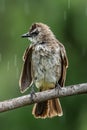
(26, 35)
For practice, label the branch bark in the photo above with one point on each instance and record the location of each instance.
(42, 96)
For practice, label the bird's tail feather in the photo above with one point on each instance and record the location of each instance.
(49, 108)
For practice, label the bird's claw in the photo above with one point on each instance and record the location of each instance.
(32, 93)
(58, 87)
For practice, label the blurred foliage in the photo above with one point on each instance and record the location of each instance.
(68, 20)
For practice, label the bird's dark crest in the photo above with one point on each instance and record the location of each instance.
(33, 27)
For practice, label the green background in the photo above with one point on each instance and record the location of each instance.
(68, 21)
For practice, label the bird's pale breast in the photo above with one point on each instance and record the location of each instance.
(46, 66)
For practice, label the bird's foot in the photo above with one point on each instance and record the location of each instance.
(58, 87)
(32, 92)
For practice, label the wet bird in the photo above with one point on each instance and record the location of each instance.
(45, 65)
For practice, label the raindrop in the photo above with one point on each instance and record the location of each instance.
(65, 15)
(68, 4)
(2, 5)
(8, 66)
(15, 60)
(0, 57)
(17, 72)
(26, 8)
(84, 51)
(86, 11)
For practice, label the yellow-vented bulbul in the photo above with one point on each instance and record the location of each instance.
(45, 64)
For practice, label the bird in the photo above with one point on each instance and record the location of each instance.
(45, 65)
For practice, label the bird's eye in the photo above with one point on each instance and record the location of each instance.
(35, 33)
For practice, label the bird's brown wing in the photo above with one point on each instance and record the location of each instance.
(64, 63)
(25, 77)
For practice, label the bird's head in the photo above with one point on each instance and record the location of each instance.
(38, 33)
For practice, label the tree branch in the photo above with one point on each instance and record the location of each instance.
(42, 96)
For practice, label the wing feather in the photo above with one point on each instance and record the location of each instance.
(64, 63)
(25, 77)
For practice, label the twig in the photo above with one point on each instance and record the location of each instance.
(42, 96)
